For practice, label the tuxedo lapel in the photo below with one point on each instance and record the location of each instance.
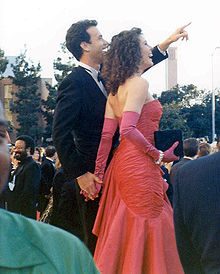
(19, 169)
(88, 81)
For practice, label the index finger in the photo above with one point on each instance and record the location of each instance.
(183, 27)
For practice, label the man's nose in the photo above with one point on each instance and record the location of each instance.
(105, 43)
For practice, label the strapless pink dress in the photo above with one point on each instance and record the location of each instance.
(134, 223)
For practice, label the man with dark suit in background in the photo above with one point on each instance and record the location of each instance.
(23, 188)
(47, 174)
(78, 121)
(197, 214)
(190, 151)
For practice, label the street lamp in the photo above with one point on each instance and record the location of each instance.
(213, 98)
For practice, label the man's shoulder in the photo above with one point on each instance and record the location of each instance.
(31, 166)
(75, 77)
(44, 240)
(72, 85)
(202, 163)
(177, 165)
(31, 163)
(47, 162)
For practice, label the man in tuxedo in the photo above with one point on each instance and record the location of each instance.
(190, 151)
(47, 174)
(23, 188)
(197, 214)
(79, 117)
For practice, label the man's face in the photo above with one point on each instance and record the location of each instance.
(20, 150)
(97, 45)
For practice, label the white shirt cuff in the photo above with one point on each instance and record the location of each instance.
(161, 51)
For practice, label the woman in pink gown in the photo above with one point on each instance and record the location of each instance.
(134, 223)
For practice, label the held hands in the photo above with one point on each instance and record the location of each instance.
(169, 155)
(87, 182)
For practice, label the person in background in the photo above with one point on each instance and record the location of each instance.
(23, 186)
(190, 152)
(37, 155)
(204, 149)
(196, 207)
(58, 182)
(47, 174)
(28, 246)
(166, 177)
(13, 165)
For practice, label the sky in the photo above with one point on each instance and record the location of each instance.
(41, 26)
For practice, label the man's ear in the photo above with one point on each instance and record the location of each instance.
(85, 46)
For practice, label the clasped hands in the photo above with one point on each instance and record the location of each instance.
(90, 185)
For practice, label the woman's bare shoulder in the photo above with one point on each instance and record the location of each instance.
(138, 81)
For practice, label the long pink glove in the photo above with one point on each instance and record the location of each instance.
(169, 156)
(109, 128)
(128, 130)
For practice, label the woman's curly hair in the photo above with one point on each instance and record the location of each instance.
(122, 59)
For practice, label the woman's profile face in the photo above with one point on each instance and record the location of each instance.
(146, 52)
(36, 155)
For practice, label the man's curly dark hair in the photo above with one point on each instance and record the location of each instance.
(122, 59)
(77, 34)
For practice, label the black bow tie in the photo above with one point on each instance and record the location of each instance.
(100, 79)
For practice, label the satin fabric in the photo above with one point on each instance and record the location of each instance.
(134, 223)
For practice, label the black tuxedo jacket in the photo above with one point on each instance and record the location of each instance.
(197, 214)
(23, 198)
(78, 120)
(58, 182)
(47, 174)
(175, 167)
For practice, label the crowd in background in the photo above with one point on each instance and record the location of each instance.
(40, 185)
(52, 179)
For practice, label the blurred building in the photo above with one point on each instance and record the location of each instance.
(171, 68)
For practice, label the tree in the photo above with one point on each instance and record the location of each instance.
(62, 67)
(27, 106)
(48, 107)
(186, 95)
(189, 109)
(173, 119)
(3, 63)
